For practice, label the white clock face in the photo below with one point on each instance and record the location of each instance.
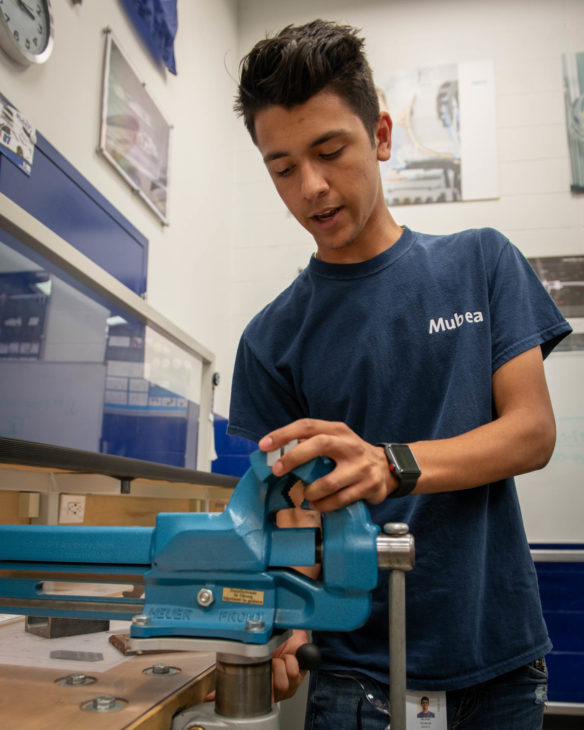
(26, 29)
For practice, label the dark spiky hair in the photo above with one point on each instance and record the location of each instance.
(300, 61)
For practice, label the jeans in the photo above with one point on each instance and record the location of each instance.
(352, 701)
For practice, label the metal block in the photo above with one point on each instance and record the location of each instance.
(53, 627)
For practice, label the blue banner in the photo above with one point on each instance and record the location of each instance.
(157, 23)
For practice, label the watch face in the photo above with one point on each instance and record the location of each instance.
(26, 31)
(404, 459)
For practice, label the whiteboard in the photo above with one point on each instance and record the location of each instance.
(552, 499)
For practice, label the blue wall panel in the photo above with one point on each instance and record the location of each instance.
(561, 587)
(232, 451)
(58, 196)
(162, 439)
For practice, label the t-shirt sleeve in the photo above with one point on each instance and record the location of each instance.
(523, 314)
(261, 398)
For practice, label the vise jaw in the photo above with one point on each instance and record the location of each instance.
(226, 575)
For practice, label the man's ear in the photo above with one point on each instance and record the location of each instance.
(383, 136)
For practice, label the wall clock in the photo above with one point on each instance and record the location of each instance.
(26, 30)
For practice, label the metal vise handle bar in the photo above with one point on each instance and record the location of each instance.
(396, 552)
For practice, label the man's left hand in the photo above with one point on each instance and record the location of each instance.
(361, 470)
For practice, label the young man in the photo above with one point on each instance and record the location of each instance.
(434, 343)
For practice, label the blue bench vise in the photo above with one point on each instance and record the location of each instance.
(205, 574)
(219, 577)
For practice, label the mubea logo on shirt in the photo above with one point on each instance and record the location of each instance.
(457, 320)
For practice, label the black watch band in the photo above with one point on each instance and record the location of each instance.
(403, 465)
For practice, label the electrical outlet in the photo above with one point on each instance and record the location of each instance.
(71, 509)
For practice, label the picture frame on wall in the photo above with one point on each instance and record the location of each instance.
(134, 134)
(444, 147)
(573, 71)
(563, 278)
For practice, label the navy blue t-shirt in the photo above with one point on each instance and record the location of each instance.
(403, 348)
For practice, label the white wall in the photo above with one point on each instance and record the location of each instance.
(187, 278)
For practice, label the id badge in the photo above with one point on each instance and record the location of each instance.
(425, 710)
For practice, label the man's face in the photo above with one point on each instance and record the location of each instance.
(325, 168)
(425, 705)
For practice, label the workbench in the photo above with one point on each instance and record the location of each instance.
(40, 692)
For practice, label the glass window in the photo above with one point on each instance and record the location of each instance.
(76, 372)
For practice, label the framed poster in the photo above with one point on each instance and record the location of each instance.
(563, 278)
(134, 135)
(443, 139)
(573, 67)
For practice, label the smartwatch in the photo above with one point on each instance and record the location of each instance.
(404, 467)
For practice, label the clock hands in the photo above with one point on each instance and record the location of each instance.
(26, 8)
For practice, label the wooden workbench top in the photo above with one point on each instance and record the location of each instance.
(32, 698)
